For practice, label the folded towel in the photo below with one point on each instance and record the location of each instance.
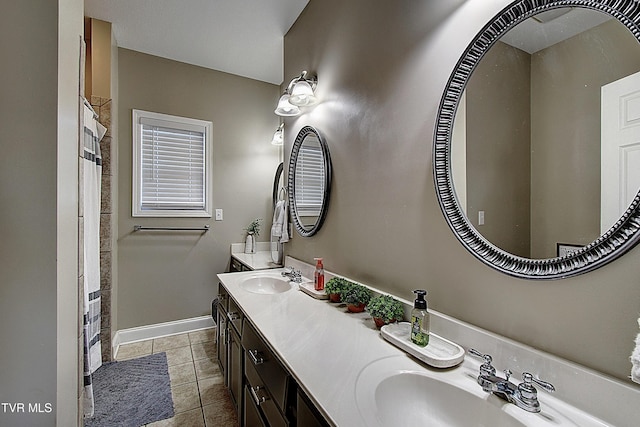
(276, 225)
(279, 227)
(285, 222)
(635, 360)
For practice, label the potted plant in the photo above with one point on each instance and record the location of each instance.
(335, 287)
(385, 309)
(253, 231)
(356, 297)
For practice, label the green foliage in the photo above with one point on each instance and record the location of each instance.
(386, 308)
(356, 294)
(336, 285)
(254, 227)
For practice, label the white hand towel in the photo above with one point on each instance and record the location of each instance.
(635, 360)
(277, 224)
(285, 222)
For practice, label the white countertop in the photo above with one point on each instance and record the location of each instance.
(260, 260)
(325, 349)
(321, 345)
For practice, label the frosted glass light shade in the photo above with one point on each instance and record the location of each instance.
(278, 137)
(285, 108)
(302, 94)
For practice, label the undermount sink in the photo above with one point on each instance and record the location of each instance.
(398, 391)
(266, 284)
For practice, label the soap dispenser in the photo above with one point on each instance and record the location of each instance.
(420, 319)
(318, 276)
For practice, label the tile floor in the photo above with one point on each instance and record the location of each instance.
(200, 398)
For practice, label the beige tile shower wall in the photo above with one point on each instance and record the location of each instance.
(102, 107)
(382, 68)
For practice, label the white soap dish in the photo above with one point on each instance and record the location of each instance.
(439, 353)
(308, 289)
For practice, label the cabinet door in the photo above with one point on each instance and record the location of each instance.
(221, 350)
(235, 369)
(307, 415)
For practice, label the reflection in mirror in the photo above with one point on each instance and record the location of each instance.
(532, 126)
(309, 181)
(278, 192)
(528, 145)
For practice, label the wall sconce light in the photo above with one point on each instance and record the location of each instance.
(299, 93)
(278, 135)
(285, 108)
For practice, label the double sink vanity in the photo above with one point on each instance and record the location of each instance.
(293, 360)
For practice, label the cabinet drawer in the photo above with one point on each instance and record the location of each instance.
(235, 265)
(235, 316)
(260, 396)
(251, 416)
(259, 357)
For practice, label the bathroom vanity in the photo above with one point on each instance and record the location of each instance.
(260, 260)
(262, 389)
(291, 360)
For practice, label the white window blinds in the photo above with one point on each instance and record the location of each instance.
(172, 165)
(309, 180)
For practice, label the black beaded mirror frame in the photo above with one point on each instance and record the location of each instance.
(620, 238)
(297, 144)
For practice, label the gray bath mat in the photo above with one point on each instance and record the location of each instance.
(132, 393)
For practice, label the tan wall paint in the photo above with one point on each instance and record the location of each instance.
(100, 63)
(499, 148)
(171, 276)
(39, 219)
(566, 132)
(382, 68)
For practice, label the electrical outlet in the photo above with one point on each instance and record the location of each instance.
(218, 214)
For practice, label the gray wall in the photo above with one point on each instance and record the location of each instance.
(171, 276)
(39, 216)
(382, 67)
(565, 134)
(499, 148)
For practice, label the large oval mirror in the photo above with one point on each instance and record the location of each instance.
(309, 181)
(537, 143)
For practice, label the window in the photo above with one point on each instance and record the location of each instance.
(171, 166)
(309, 180)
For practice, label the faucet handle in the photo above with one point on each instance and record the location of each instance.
(528, 379)
(486, 368)
(528, 391)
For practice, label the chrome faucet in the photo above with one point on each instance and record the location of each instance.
(524, 395)
(293, 275)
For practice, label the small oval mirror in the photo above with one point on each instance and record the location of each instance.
(309, 181)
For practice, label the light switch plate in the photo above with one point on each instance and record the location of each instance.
(218, 214)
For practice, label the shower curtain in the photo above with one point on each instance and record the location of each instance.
(92, 173)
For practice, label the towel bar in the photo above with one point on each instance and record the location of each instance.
(204, 228)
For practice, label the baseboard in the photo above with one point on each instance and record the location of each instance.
(159, 330)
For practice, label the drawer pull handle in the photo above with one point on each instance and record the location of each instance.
(256, 357)
(258, 399)
(232, 315)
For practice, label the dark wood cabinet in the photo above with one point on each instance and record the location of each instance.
(235, 265)
(263, 391)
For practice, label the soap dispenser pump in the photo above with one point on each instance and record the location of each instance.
(420, 319)
(318, 276)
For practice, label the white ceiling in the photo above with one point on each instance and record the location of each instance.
(532, 35)
(243, 37)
